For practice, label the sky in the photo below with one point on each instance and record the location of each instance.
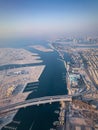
(23, 18)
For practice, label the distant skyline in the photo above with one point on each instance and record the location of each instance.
(27, 18)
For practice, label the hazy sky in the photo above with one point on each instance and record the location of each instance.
(39, 17)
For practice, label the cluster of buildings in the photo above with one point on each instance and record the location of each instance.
(86, 40)
(74, 78)
(90, 57)
(81, 77)
(78, 40)
(81, 116)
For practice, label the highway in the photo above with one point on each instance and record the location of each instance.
(35, 101)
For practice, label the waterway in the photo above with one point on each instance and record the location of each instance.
(51, 82)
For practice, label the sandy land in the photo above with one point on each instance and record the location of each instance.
(17, 56)
(10, 79)
(42, 48)
(13, 77)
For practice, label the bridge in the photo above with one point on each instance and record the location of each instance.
(35, 101)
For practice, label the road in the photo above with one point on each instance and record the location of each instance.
(35, 101)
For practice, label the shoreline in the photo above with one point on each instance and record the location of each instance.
(64, 62)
